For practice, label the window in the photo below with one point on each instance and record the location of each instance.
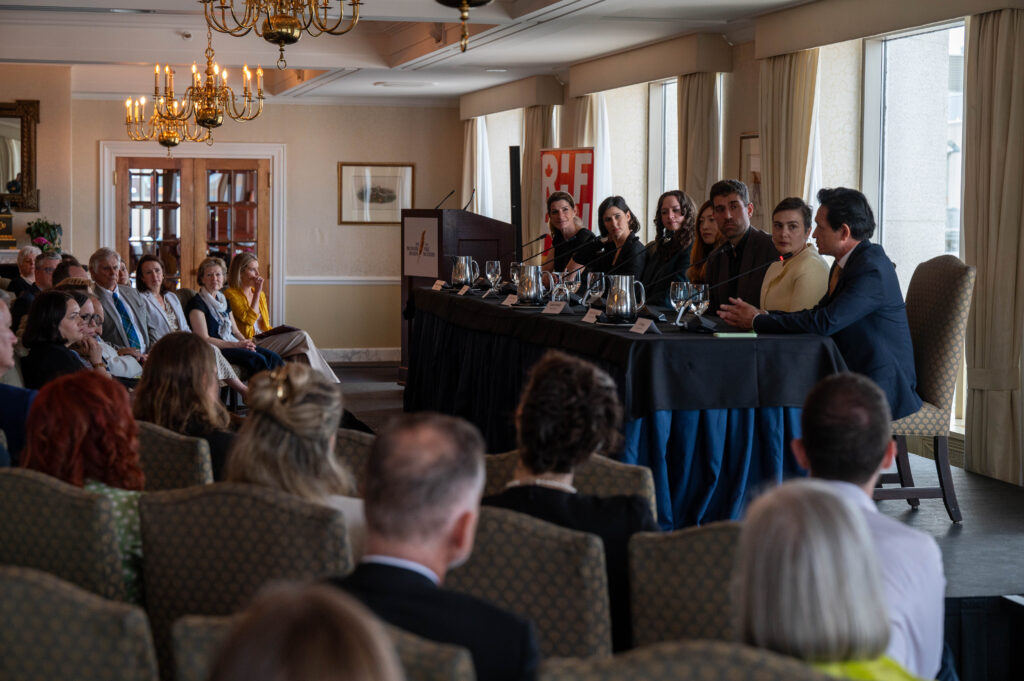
(504, 130)
(626, 118)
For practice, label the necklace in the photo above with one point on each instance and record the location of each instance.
(543, 482)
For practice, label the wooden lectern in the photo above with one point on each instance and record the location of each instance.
(430, 241)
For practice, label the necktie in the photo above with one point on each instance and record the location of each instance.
(834, 279)
(126, 322)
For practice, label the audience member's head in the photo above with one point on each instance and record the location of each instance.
(847, 430)
(287, 441)
(307, 633)
(238, 265)
(7, 338)
(27, 262)
(81, 428)
(53, 318)
(46, 265)
(179, 385)
(732, 208)
(842, 206)
(806, 582)
(71, 271)
(69, 259)
(211, 273)
(149, 276)
(122, 274)
(569, 410)
(103, 266)
(423, 484)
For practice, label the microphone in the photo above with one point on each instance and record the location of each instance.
(618, 266)
(710, 325)
(471, 196)
(540, 238)
(553, 246)
(672, 275)
(447, 196)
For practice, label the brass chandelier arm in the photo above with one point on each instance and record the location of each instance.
(241, 27)
(320, 23)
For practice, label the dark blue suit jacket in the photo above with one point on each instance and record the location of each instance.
(867, 319)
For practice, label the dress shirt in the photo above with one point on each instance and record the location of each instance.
(404, 564)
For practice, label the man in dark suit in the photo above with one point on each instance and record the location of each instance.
(737, 269)
(422, 501)
(863, 310)
(125, 319)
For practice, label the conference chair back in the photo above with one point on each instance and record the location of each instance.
(171, 460)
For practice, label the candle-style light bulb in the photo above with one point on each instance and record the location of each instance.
(128, 110)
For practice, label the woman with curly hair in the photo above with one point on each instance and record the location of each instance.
(568, 412)
(81, 431)
(668, 256)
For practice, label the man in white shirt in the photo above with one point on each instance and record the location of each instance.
(847, 441)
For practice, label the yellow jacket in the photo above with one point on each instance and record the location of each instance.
(244, 314)
(795, 284)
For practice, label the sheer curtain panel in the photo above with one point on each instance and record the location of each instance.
(700, 163)
(539, 122)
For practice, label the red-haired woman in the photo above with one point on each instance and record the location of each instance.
(81, 431)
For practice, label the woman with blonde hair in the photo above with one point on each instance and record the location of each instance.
(807, 583)
(287, 442)
(248, 302)
(179, 391)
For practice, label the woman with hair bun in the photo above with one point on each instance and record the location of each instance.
(287, 442)
(619, 250)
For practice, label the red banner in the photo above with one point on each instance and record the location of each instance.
(572, 171)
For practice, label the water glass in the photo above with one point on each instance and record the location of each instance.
(492, 270)
(679, 293)
(513, 271)
(595, 286)
(572, 280)
(699, 299)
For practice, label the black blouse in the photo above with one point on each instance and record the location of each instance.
(49, 361)
(631, 260)
(572, 248)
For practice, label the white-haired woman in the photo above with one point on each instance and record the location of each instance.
(807, 584)
(26, 279)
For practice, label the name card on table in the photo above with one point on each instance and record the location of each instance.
(554, 307)
(644, 325)
(510, 300)
(438, 285)
(591, 316)
(463, 290)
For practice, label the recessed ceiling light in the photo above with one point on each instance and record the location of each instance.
(402, 83)
(497, 70)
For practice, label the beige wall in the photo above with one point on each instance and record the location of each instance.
(356, 316)
(740, 104)
(51, 85)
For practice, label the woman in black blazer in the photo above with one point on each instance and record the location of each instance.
(54, 323)
(619, 250)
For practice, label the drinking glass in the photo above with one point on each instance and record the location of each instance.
(679, 294)
(513, 271)
(492, 270)
(559, 292)
(595, 286)
(699, 299)
(572, 280)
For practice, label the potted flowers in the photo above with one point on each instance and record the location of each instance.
(45, 235)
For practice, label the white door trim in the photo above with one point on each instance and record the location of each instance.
(110, 150)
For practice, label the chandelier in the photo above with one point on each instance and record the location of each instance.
(168, 132)
(284, 21)
(463, 6)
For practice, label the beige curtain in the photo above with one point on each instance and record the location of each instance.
(539, 125)
(469, 169)
(993, 206)
(699, 158)
(787, 89)
(585, 121)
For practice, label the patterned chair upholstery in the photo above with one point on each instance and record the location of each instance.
(598, 476)
(172, 461)
(196, 640)
(185, 296)
(717, 660)
(679, 583)
(60, 529)
(938, 304)
(207, 550)
(551, 575)
(352, 447)
(53, 630)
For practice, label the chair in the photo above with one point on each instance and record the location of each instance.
(685, 660)
(352, 447)
(55, 527)
(549, 574)
(938, 303)
(197, 640)
(207, 550)
(171, 460)
(679, 583)
(598, 476)
(50, 629)
(185, 296)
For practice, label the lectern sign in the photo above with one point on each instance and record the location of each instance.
(570, 170)
(419, 247)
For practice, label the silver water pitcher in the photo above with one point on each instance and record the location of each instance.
(465, 270)
(531, 284)
(622, 304)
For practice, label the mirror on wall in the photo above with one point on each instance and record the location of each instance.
(18, 122)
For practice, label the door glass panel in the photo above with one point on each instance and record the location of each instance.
(232, 212)
(220, 223)
(154, 212)
(220, 186)
(245, 186)
(245, 223)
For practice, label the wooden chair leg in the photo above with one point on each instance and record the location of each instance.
(903, 467)
(946, 478)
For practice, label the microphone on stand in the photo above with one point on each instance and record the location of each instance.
(710, 325)
(447, 196)
(471, 197)
(672, 275)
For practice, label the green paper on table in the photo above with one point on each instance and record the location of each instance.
(736, 334)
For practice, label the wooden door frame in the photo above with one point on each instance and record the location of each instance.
(275, 153)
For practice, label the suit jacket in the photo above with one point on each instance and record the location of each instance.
(867, 319)
(613, 519)
(758, 250)
(14, 406)
(503, 645)
(113, 331)
(159, 327)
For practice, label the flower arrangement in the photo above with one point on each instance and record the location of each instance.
(45, 234)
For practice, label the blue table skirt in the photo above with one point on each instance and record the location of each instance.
(709, 464)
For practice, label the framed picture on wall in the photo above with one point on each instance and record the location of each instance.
(750, 173)
(374, 192)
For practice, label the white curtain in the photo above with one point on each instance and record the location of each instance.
(700, 164)
(540, 125)
(994, 242)
(476, 168)
(585, 122)
(603, 187)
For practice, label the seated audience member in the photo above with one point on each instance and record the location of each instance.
(126, 321)
(248, 303)
(738, 269)
(14, 401)
(26, 279)
(569, 411)
(211, 319)
(179, 391)
(287, 442)
(668, 256)
(123, 278)
(306, 633)
(807, 584)
(166, 315)
(121, 364)
(799, 282)
(707, 240)
(568, 235)
(847, 442)
(71, 271)
(54, 324)
(422, 495)
(619, 250)
(81, 431)
(863, 310)
(46, 265)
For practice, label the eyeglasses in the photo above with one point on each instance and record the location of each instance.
(48, 270)
(91, 318)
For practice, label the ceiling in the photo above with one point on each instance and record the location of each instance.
(401, 49)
